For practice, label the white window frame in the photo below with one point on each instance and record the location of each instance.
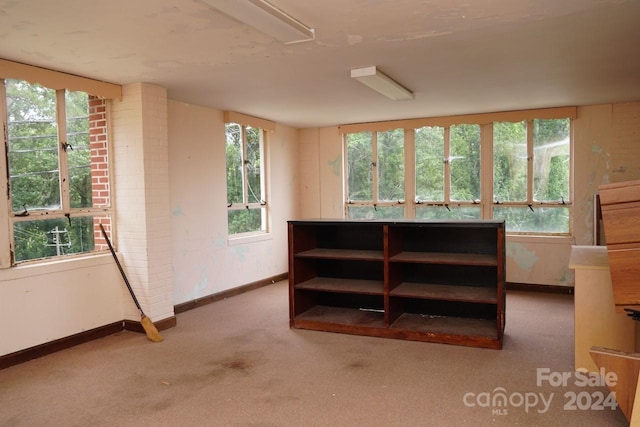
(265, 127)
(485, 120)
(374, 202)
(8, 216)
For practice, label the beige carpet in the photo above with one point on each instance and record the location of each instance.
(237, 363)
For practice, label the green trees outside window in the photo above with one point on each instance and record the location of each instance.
(245, 179)
(531, 175)
(530, 181)
(375, 174)
(49, 163)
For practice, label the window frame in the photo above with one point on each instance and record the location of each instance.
(530, 202)
(375, 201)
(101, 214)
(486, 203)
(265, 127)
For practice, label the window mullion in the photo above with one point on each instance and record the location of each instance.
(63, 164)
(410, 173)
(6, 234)
(486, 170)
(243, 160)
(447, 165)
(374, 166)
(263, 161)
(529, 162)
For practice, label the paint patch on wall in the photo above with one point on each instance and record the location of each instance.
(177, 211)
(524, 258)
(335, 164)
(239, 252)
(203, 283)
(221, 242)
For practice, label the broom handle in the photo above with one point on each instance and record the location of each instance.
(124, 276)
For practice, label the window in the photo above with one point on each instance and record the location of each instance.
(531, 175)
(517, 168)
(375, 174)
(447, 165)
(57, 161)
(247, 208)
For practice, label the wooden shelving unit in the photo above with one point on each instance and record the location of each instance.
(435, 281)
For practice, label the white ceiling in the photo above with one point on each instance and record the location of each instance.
(457, 56)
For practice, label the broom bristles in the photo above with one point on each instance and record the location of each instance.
(150, 329)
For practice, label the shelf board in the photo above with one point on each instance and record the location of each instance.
(347, 254)
(445, 258)
(446, 292)
(347, 286)
(459, 326)
(343, 316)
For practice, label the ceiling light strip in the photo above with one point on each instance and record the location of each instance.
(381, 83)
(264, 17)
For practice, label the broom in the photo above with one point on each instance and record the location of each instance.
(149, 328)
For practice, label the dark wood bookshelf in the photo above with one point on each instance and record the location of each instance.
(434, 281)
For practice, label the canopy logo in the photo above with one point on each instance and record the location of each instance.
(500, 401)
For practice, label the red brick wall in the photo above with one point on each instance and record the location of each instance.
(99, 166)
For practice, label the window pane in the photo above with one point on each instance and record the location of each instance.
(79, 152)
(391, 165)
(441, 212)
(464, 159)
(33, 146)
(551, 160)
(540, 219)
(253, 162)
(510, 161)
(53, 237)
(234, 163)
(245, 220)
(359, 167)
(369, 212)
(429, 143)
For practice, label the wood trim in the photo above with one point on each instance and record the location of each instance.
(161, 325)
(58, 80)
(198, 302)
(245, 119)
(58, 345)
(128, 325)
(446, 121)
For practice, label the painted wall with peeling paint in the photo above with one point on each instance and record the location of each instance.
(205, 261)
(606, 149)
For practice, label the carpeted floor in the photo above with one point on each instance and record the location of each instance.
(237, 363)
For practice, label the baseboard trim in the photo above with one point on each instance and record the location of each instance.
(58, 345)
(41, 350)
(199, 302)
(552, 289)
(161, 325)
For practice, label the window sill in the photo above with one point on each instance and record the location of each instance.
(43, 267)
(540, 239)
(249, 238)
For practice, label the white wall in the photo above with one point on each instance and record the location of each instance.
(606, 149)
(141, 197)
(45, 302)
(48, 301)
(205, 261)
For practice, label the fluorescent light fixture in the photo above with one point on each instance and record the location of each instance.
(381, 83)
(266, 18)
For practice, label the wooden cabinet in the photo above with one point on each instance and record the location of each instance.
(418, 280)
(620, 204)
